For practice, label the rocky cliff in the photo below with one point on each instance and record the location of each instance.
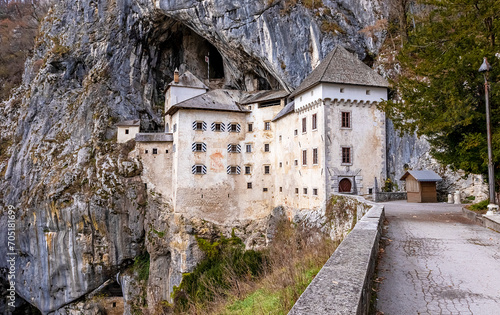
(83, 213)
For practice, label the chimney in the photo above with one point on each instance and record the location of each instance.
(176, 76)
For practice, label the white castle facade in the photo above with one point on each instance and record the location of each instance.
(228, 154)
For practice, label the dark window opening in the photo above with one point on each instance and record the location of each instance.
(126, 131)
(270, 103)
(267, 169)
(114, 304)
(304, 125)
(314, 121)
(346, 120)
(166, 151)
(146, 151)
(266, 147)
(346, 155)
(250, 127)
(264, 189)
(305, 191)
(315, 191)
(267, 125)
(218, 127)
(248, 170)
(155, 151)
(249, 185)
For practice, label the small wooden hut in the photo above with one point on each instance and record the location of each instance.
(421, 185)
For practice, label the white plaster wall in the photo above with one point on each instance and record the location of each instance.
(177, 94)
(122, 137)
(158, 173)
(332, 91)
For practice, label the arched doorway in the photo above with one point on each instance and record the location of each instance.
(345, 185)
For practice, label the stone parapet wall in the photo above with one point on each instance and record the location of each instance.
(343, 285)
(389, 196)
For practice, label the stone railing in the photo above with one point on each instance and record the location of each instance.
(381, 196)
(343, 285)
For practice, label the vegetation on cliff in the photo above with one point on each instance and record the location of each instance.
(231, 280)
(19, 22)
(440, 92)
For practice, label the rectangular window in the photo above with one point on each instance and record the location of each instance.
(304, 191)
(296, 162)
(249, 185)
(267, 125)
(199, 169)
(295, 132)
(264, 189)
(145, 151)
(296, 191)
(232, 170)
(341, 90)
(199, 125)
(367, 92)
(166, 151)
(346, 120)
(234, 128)
(304, 125)
(126, 131)
(233, 148)
(281, 164)
(346, 156)
(315, 156)
(199, 147)
(249, 148)
(304, 157)
(315, 191)
(250, 127)
(155, 151)
(217, 127)
(266, 147)
(280, 138)
(267, 169)
(248, 170)
(281, 189)
(314, 121)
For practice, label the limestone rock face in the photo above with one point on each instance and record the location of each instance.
(83, 213)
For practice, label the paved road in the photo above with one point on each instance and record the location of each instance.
(438, 262)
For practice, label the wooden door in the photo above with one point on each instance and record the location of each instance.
(345, 186)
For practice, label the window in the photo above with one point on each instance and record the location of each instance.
(199, 169)
(367, 92)
(233, 127)
(266, 147)
(280, 138)
(166, 151)
(250, 127)
(217, 127)
(304, 157)
(296, 191)
(295, 132)
(248, 170)
(341, 90)
(346, 120)
(155, 151)
(267, 125)
(145, 151)
(296, 162)
(315, 156)
(126, 131)
(264, 189)
(267, 169)
(199, 125)
(249, 185)
(248, 148)
(314, 121)
(233, 148)
(304, 125)
(346, 156)
(281, 189)
(175, 128)
(199, 147)
(315, 191)
(281, 164)
(304, 191)
(233, 170)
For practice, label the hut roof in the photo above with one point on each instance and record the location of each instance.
(423, 176)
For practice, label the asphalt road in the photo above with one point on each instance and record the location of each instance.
(437, 262)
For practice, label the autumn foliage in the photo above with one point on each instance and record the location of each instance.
(19, 22)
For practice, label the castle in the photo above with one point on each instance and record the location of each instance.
(229, 154)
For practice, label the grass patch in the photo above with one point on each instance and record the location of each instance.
(231, 280)
(480, 207)
(141, 266)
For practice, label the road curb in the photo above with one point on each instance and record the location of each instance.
(481, 219)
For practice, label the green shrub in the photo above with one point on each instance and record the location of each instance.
(482, 205)
(141, 266)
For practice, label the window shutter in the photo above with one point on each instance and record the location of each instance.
(229, 127)
(193, 169)
(193, 146)
(194, 125)
(204, 126)
(238, 148)
(203, 169)
(229, 147)
(229, 169)
(222, 127)
(212, 126)
(204, 147)
(238, 127)
(238, 170)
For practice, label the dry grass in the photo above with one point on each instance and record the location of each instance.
(292, 260)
